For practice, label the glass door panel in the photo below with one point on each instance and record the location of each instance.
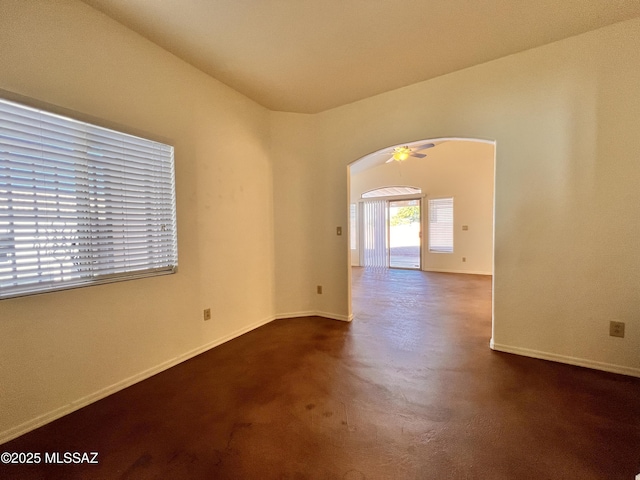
(404, 234)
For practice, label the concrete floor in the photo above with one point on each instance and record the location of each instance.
(405, 257)
(409, 390)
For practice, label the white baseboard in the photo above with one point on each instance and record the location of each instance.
(580, 362)
(445, 270)
(48, 417)
(315, 313)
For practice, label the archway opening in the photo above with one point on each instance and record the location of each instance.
(455, 180)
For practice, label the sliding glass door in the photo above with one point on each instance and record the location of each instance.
(390, 234)
(404, 234)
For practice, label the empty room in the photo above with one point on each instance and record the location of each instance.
(186, 287)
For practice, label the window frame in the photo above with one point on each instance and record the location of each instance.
(432, 206)
(74, 207)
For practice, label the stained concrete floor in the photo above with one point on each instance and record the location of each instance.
(409, 390)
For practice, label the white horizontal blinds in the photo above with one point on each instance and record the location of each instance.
(441, 225)
(374, 234)
(80, 204)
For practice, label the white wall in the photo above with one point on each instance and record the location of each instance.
(60, 350)
(294, 144)
(459, 169)
(565, 119)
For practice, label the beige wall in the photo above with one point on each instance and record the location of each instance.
(564, 118)
(62, 349)
(294, 144)
(459, 169)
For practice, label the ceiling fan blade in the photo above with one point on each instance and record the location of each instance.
(390, 160)
(418, 155)
(424, 146)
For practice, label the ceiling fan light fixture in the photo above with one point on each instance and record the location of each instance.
(401, 153)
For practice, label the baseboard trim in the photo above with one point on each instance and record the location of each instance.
(580, 362)
(444, 270)
(315, 313)
(49, 417)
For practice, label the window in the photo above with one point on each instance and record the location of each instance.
(441, 225)
(391, 191)
(80, 204)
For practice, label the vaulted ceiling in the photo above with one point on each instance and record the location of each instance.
(311, 55)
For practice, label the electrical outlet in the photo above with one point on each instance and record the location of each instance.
(319, 289)
(207, 314)
(616, 329)
(464, 259)
(338, 230)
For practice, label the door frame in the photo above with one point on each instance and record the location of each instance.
(360, 224)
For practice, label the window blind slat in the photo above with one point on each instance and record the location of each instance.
(30, 156)
(441, 225)
(23, 122)
(80, 204)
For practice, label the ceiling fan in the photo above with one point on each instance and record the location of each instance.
(400, 154)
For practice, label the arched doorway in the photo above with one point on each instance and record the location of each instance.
(455, 178)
